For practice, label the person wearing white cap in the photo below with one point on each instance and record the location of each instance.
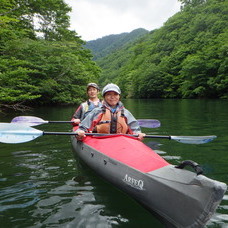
(112, 117)
(87, 106)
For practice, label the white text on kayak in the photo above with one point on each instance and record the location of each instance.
(133, 182)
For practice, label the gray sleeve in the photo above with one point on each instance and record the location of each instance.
(78, 112)
(86, 123)
(132, 122)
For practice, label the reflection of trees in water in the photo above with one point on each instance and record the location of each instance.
(116, 206)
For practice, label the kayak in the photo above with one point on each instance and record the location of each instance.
(179, 197)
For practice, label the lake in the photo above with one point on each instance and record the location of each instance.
(43, 185)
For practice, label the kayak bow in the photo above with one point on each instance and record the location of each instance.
(179, 197)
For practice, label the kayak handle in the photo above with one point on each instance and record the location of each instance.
(193, 164)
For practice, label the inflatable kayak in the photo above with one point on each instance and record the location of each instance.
(179, 197)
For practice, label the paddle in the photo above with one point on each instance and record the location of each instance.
(18, 133)
(34, 121)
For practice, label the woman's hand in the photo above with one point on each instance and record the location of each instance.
(141, 136)
(81, 135)
(76, 121)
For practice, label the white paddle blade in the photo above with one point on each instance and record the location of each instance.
(28, 120)
(17, 133)
(194, 139)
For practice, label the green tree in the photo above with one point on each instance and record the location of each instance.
(185, 58)
(56, 69)
(191, 3)
(41, 60)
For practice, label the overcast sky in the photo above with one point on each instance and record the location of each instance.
(93, 19)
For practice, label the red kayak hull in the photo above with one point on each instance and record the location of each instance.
(130, 151)
(179, 198)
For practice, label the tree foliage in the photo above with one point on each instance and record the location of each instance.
(185, 58)
(41, 60)
(104, 46)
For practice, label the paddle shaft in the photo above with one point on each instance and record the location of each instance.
(100, 134)
(181, 139)
(60, 121)
(34, 121)
(18, 133)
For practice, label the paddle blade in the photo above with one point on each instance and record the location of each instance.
(149, 123)
(28, 120)
(17, 133)
(194, 139)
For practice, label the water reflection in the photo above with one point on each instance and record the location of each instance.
(20, 195)
(47, 193)
(41, 184)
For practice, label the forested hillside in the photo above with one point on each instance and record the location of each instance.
(41, 60)
(108, 44)
(186, 58)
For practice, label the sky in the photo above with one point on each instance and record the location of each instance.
(93, 19)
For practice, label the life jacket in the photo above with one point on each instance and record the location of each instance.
(108, 122)
(87, 107)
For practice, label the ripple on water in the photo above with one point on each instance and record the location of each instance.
(71, 204)
(20, 195)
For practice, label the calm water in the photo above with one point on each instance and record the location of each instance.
(42, 185)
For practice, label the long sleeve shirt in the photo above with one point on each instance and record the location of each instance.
(132, 123)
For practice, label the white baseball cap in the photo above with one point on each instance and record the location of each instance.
(111, 87)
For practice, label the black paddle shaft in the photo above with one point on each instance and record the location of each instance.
(100, 134)
(60, 121)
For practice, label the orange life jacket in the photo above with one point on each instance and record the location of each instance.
(108, 122)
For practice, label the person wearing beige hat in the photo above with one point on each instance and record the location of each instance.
(111, 117)
(87, 106)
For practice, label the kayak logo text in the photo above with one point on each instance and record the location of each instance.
(133, 182)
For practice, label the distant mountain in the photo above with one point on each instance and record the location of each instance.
(185, 58)
(108, 44)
